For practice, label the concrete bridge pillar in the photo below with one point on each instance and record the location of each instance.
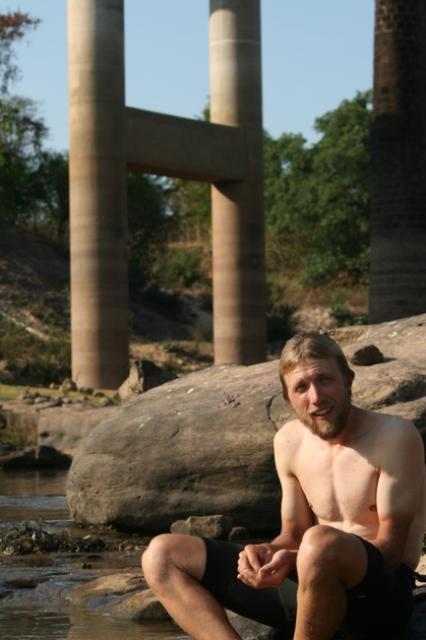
(398, 222)
(237, 207)
(99, 299)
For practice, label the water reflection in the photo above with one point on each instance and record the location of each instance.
(80, 625)
(26, 495)
(26, 625)
(33, 483)
(90, 626)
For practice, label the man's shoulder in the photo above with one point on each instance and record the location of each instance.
(392, 430)
(290, 433)
(391, 424)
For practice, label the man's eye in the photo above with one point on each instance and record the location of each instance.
(301, 388)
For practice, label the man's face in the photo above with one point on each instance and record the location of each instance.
(320, 396)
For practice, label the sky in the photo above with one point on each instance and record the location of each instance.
(315, 53)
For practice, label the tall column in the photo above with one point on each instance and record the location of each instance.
(237, 207)
(398, 236)
(99, 299)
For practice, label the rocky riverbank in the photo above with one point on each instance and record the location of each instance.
(83, 583)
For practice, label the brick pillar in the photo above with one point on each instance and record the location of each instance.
(237, 207)
(398, 234)
(99, 306)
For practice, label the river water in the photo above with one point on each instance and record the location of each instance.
(27, 496)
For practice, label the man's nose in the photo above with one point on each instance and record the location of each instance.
(314, 394)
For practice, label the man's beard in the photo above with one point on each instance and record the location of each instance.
(329, 429)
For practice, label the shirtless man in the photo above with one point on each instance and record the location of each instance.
(353, 516)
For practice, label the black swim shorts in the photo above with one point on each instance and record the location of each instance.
(379, 607)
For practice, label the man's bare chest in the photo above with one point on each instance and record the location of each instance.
(340, 484)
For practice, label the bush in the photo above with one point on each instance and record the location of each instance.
(178, 268)
(344, 317)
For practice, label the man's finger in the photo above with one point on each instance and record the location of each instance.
(257, 555)
(243, 563)
(251, 554)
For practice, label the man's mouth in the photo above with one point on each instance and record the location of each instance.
(321, 413)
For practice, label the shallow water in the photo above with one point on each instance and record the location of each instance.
(78, 625)
(26, 625)
(27, 496)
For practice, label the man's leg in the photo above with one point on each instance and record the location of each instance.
(173, 566)
(329, 563)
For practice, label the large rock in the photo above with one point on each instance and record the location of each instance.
(202, 444)
(199, 445)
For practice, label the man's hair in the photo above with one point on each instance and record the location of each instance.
(311, 346)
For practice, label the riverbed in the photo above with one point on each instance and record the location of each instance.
(31, 606)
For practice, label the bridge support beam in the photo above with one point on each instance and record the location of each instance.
(99, 300)
(398, 222)
(105, 137)
(237, 207)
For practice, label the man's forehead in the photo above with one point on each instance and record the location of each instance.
(312, 366)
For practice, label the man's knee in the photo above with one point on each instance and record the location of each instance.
(319, 551)
(327, 553)
(156, 557)
(168, 552)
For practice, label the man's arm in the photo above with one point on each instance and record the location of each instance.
(268, 564)
(398, 490)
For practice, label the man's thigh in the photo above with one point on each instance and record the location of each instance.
(220, 578)
(380, 605)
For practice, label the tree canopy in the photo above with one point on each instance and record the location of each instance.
(318, 197)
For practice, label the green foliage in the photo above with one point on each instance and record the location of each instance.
(344, 317)
(22, 132)
(148, 224)
(178, 268)
(53, 209)
(21, 137)
(318, 198)
(190, 206)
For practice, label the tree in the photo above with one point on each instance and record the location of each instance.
(13, 27)
(191, 209)
(318, 198)
(53, 210)
(21, 130)
(21, 136)
(342, 192)
(287, 170)
(147, 224)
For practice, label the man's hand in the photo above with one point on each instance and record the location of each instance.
(260, 566)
